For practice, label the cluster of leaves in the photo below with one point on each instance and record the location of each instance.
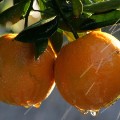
(58, 16)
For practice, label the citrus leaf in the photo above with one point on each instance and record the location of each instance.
(69, 36)
(98, 21)
(99, 0)
(40, 47)
(16, 1)
(57, 40)
(38, 31)
(41, 4)
(14, 13)
(100, 7)
(88, 1)
(77, 7)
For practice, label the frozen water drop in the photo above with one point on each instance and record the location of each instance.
(26, 106)
(94, 112)
(84, 111)
(37, 105)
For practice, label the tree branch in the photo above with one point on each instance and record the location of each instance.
(27, 14)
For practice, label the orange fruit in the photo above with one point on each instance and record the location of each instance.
(87, 71)
(24, 81)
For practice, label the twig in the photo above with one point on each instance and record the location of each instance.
(27, 14)
(65, 19)
(38, 11)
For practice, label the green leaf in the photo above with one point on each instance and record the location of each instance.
(14, 13)
(99, 0)
(100, 7)
(46, 7)
(38, 31)
(40, 47)
(102, 20)
(57, 40)
(16, 1)
(77, 7)
(42, 4)
(88, 1)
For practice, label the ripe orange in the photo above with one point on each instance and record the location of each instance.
(87, 71)
(24, 81)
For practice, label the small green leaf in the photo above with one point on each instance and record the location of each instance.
(77, 7)
(38, 31)
(16, 1)
(40, 47)
(14, 13)
(57, 40)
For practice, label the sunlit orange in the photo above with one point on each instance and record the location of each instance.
(87, 71)
(24, 81)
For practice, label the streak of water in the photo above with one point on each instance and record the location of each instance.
(86, 71)
(66, 113)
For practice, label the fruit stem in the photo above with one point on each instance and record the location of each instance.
(40, 11)
(65, 19)
(27, 14)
